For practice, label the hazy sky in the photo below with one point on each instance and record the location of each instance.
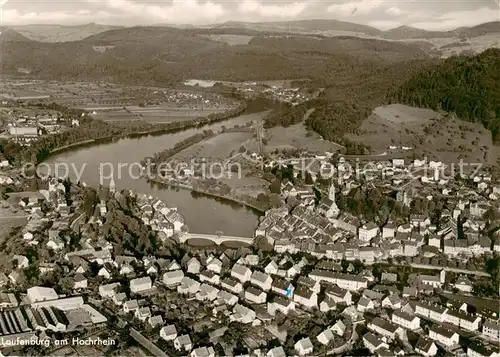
(427, 14)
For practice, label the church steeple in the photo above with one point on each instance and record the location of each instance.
(331, 192)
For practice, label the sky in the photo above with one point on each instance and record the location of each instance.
(383, 14)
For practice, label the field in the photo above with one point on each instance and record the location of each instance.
(297, 137)
(218, 147)
(429, 133)
(232, 40)
(9, 219)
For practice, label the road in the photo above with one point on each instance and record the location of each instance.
(13, 217)
(76, 221)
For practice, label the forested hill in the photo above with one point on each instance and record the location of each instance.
(469, 86)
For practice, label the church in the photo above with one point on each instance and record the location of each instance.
(327, 205)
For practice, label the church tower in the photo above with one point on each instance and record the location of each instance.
(331, 192)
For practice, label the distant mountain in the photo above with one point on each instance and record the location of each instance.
(306, 26)
(407, 32)
(10, 35)
(59, 33)
(166, 55)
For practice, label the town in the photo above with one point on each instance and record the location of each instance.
(414, 272)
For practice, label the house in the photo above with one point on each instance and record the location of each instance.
(431, 311)
(207, 293)
(188, 286)
(262, 280)
(108, 290)
(104, 273)
(426, 347)
(325, 337)
(367, 232)
(79, 282)
(340, 296)
(155, 321)
(255, 295)
(344, 281)
(271, 268)
(282, 286)
(168, 333)
(280, 304)
(312, 284)
(193, 266)
(22, 261)
(226, 298)
(232, 285)
(140, 284)
(203, 352)
(276, 352)
(209, 276)
(479, 350)
(143, 313)
(392, 302)
(463, 284)
(126, 269)
(183, 343)
(339, 328)
(405, 320)
(365, 304)
(383, 327)
(130, 306)
(241, 272)
(328, 304)
(389, 230)
(373, 342)
(242, 314)
(304, 347)
(491, 330)
(214, 265)
(443, 335)
(173, 278)
(305, 296)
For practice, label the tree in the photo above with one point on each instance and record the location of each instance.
(275, 187)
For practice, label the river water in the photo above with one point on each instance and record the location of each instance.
(121, 160)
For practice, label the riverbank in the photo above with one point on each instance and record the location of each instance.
(180, 126)
(176, 184)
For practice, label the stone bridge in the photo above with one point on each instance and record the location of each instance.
(217, 239)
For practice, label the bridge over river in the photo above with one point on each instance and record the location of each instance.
(217, 239)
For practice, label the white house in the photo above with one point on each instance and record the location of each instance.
(232, 285)
(367, 232)
(443, 335)
(193, 266)
(305, 296)
(40, 293)
(304, 347)
(207, 293)
(210, 277)
(373, 342)
(168, 333)
(241, 272)
(183, 343)
(383, 327)
(340, 296)
(491, 330)
(255, 295)
(426, 347)
(339, 328)
(280, 304)
(406, 320)
(262, 280)
(344, 281)
(80, 282)
(172, 278)
(143, 313)
(325, 337)
(271, 268)
(108, 290)
(214, 265)
(104, 273)
(365, 304)
(140, 284)
(188, 286)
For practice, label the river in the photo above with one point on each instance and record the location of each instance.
(121, 159)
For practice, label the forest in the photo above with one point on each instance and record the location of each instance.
(469, 86)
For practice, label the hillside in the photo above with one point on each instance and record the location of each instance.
(466, 85)
(407, 32)
(162, 55)
(59, 33)
(10, 35)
